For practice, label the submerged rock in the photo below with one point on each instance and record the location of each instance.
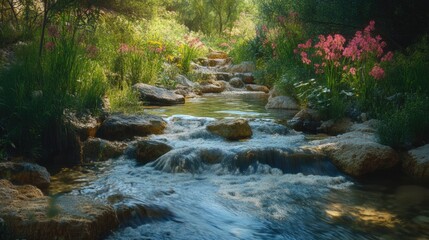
(25, 173)
(149, 150)
(282, 102)
(416, 163)
(120, 127)
(158, 96)
(96, 149)
(357, 153)
(231, 129)
(30, 215)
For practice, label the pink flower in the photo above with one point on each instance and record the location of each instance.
(352, 71)
(388, 57)
(304, 58)
(124, 48)
(377, 72)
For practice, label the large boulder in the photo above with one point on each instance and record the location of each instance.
(149, 150)
(120, 127)
(152, 95)
(25, 173)
(257, 88)
(282, 102)
(96, 149)
(30, 215)
(231, 129)
(357, 153)
(416, 163)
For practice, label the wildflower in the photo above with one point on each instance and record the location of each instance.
(124, 48)
(352, 71)
(388, 57)
(377, 72)
(305, 59)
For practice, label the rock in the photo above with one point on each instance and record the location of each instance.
(218, 62)
(247, 78)
(25, 173)
(307, 120)
(244, 67)
(85, 126)
(257, 88)
(30, 215)
(223, 76)
(182, 80)
(357, 153)
(120, 127)
(369, 126)
(158, 96)
(96, 149)
(236, 82)
(416, 163)
(282, 102)
(335, 127)
(215, 87)
(231, 129)
(148, 150)
(217, 55)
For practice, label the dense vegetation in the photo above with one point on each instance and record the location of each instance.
(340, 57)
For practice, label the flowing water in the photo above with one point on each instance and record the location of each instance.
(261, 188)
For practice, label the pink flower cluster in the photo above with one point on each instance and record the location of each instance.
(363, 44)
(332, 51)
(193, 42)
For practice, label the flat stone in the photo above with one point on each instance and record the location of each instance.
(357, 153)
(120, 127)
(30, 215)
(257, 88)
(152, 95)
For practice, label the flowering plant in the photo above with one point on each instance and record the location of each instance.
(355, 64)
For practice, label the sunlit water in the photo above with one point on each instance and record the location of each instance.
(261, 188)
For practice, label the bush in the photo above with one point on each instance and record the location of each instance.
(406, 126)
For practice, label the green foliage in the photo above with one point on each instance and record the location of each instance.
(409, 71)
(35, 90)
(124, 99)
(406, 126)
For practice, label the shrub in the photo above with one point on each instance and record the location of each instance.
(406, 126)
(124, 99)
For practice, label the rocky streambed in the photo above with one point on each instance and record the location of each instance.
(220, 166)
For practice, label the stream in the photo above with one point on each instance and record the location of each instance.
(261, 188)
